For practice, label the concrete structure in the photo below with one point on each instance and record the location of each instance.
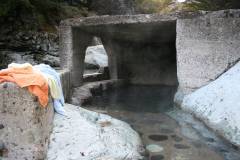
(141, 48)
(207, 46)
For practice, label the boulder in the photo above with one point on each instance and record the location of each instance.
(25, 126)
(96, 57)
(87, 135)
(218, 105)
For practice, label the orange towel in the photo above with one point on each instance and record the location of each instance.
(27, 77)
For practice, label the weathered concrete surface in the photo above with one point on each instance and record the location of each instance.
(66, 83)
(24, 125)
(207, 46)
(217, 104)
(87, 135)
(72, 52)
(140, 48)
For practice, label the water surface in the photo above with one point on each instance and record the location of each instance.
(150, 111)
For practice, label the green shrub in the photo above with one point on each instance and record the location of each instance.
(212, 5)
(154, 6)
(38, 14)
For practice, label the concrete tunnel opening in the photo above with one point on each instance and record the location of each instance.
(141, 49)
(143, 54)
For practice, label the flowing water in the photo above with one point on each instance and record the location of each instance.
(151, 112)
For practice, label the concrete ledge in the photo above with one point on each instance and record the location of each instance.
(25, 127)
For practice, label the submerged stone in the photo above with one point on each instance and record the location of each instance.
(154, 148)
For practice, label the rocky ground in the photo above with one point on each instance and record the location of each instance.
(217, 104)
(104, 137)
(32, 47)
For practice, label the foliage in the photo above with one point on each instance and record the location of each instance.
(154, 6)
(40, 14)
(166, 6)
(211, 5)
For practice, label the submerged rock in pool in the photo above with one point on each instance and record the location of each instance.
(154, 148)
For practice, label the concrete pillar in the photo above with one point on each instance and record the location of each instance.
(65, 48)
(113, 60)
(81, 41)
(72, 52)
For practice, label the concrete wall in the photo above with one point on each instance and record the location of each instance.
(25, 127)
(73, 46)
(143, 63)
(66, 84)
(207, 46)
(140, 48)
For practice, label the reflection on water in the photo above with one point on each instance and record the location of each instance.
(137, 99)
(151, 112)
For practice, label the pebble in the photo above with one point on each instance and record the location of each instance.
(154, 148)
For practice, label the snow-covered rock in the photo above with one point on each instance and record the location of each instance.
(96, 55)
(87, 135)
(218, 104)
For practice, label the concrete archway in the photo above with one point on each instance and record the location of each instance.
(141, 48)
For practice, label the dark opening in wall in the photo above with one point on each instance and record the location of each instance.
(96, 62)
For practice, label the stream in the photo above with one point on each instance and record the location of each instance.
(150, 111)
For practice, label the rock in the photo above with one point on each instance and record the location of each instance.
(96, 56)
(217, 104)
(82, 135)
(154, 148)
(25, 125)
(32, 47)
(51, 60)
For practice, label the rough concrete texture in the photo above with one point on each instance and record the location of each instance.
(66, 85)
(24, 125)
(217, 104)
(207, 46)
(87, 135)
(140, 48)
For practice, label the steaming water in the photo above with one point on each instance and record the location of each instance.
(151, 112)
